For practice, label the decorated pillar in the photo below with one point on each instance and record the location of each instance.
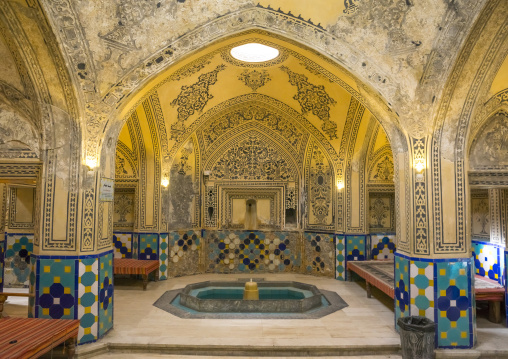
(72, 264)
(434, 272)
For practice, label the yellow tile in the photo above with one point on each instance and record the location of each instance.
(88, 268)
(412, 280)
(463, 293)
(431, 282)
(421, 271)
(87, 331)
(443, 314)
(47, 269)
(442, 293)
(431, 304)
(463, 334)
(58, 260)
(88, 289)
(67, 311)
(462, 271)
(67, 290)
(67, 269)
(412, 301)
(463, 313)
(444, 335)
(452, 281)
(45, 311)
(356, 247)
(88, 310)
(442, 272)
(421, 291)
(421, 312)
(57, 280)
(45, 290)
(454, 344)
(453, 324)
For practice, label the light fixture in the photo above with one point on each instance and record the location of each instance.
(165, 182)
(254, 52)
(340, 185)
(91, 163)
(419, 166)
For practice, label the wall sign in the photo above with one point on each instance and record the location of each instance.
(107, 189)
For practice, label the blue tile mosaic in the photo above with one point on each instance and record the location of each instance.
(123, 244)
(382, 246)
(401, 285)
(454, 304)
(489, 261)
(251, 251)
(148, 246)
(183, 252)
(18, 249)
(356, 247)
(56, 289)
(340, 257)
(319, 253)
(105, 293)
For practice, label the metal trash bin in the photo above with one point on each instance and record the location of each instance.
(417, 337)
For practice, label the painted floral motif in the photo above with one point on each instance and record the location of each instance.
(313, 99)
(254, 79)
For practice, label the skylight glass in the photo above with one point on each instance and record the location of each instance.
(254, 52)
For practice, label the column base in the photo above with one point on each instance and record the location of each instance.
(441, 290)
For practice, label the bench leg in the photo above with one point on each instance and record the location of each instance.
(494, 311)
(349, 276)
(369, 294)
(71, 347)
(3, 298)
(145, 281)
(157, 275)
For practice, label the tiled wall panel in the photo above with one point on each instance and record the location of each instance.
(319, 254)
(18, 248)
(123, 244)
(489, 261)
(183, 253)
(163, 256)
(105, 293)
(340, 257)
(382, 246)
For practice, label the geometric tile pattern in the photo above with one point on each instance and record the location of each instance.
(88, 297)
(56, 288)
(454, 304)
(183, 252)
(356, 247)
(401, 285)
(440, 289)
(251, 251)
(73, 287)
(123, 245)
(487, 260)
(105, 293)
(148, 246)
(422, 288)
(163, 256)
(382, 246)
(2, 246)
(506, 286)
(340, 257)
(17, 257)
(319, 253)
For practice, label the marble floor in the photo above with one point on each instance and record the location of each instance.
(363, 329)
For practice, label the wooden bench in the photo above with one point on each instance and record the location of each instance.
(380, 274)
(33, 337)
(134, 266)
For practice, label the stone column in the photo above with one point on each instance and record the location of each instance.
(434, 274)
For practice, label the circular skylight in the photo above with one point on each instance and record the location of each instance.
(254, 52)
